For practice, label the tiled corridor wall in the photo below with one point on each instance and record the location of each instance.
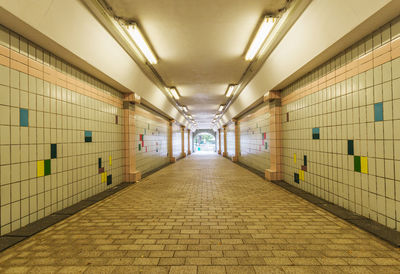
(222, 141)
(230, 140)
(217, 141)
(341, 128)
(254, 139)
(151, 140)
(185, 146)
(191, 141)
(61, 133)
(176, 141)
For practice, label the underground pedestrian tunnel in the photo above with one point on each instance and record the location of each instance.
(184, 136)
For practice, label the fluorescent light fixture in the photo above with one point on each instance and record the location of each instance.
(262, 33)
(139, 40)
(185, 109)
(174, 93)
(230, 90)
(221, 107)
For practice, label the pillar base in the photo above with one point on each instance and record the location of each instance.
(183, 154)
(224, 154)
(219, 151)
(189, 152)
(234, 159)
(133, 177)
(272, 175)
(172, 159)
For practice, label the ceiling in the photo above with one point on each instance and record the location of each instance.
(200, 44)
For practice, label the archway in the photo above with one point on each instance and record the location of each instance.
(204, 140)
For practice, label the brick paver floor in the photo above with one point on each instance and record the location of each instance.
(203, 214)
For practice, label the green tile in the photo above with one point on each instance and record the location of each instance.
(47, 167)
(357, 163)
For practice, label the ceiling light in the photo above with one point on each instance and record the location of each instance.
(262, 33)
(139, 40)
(230, 90)
(185, 109)
(174, 93)
(221, 107)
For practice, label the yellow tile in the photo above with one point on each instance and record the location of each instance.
(40, 168)
(110, 161)
(301, 175)
(364, 165)
(104, 177)
(294, 158)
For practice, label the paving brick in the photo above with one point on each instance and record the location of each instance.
(183, 270)
(211, 269)
(224, 261)
(198, 261)
(171, 261)
(203, 214)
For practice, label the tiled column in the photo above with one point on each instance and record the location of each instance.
(274, 172)
(172, 158)
(235, 158)
(183, 141)
(189, 151)
(225, 150)
(219, 141)
(131, 174)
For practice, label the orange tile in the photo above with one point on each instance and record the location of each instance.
(365, 58)
(330, 75)
(35, 72)
(395, 43)
(34, 64)
(386, 57)
(350, 66)
(340, 78)
(19, 57)
(322, 80)
(340, 71)
(351, 73)
(395, 53)
(18, 66)
(322, 86)
(4, 51)
(330, 82)
(5, 61)
(381, 50)
(365, 66)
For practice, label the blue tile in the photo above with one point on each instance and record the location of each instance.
(378, 108)
(53, 151)
(296, 178)
(350, 147)
(315, 133)
(315, 130)
(23, 117)
(88, 133)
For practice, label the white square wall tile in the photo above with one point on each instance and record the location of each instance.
(15, 211)
(4, 76)
(5, 214)
(396, 68)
